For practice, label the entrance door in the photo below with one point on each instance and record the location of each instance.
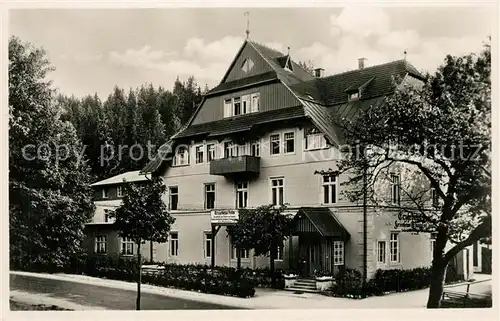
(304, 261)
(309, 257)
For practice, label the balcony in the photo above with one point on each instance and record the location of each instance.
(235, 165)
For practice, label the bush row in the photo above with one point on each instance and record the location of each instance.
(196, 277)
(349, 281)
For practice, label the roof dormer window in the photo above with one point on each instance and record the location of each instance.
(354, 95)
(247, 65)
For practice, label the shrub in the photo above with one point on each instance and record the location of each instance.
(350, 284)
(262, 277)
(195, 277)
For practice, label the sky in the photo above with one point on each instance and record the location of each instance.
(94, 50)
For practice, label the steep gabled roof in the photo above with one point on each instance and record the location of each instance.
(323, 100)
(274, 58)
(379, 81)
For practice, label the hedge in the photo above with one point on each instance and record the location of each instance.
(349, 281)
(196, 277)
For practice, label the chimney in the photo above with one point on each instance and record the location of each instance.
(361, 63)
(319, 72)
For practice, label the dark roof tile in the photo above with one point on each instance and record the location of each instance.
(379, 80)
(243, 82)
(240, 123)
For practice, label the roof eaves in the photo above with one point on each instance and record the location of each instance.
(214, 93)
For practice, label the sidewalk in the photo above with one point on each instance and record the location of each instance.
(264, 298)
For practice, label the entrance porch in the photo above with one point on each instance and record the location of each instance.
(321, 243)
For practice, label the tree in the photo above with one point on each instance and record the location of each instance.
(262, 229)
(48, 180)
(143, 216)
(437, 137)
(307, 66)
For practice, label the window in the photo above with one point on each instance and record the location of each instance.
(289, 139)
(173, 197)
(230, 149)
(209, 196)
(329, 189)
(105, 193)
(275, 144)
(435, 197)
(244, 254)
(242, 195)
(245, 104)
(241, 105)
(381, 254)
(394, 247)
(199, 154)
(100, 244)
(395, 189)
(228, 105)
(255, 148)
(247, 65)
(127, 246)
(338, 253)
(254, 103)
(119, 191)
(277, 191)
(210, 152)
(354, 96)
(181, 156)
(174, 244)
(279, 253)
(208, 244)
(315, 140)
(237, 106)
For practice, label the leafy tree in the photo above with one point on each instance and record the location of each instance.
(143, 216)
(263, 229)
(50, 199)
(437, 137)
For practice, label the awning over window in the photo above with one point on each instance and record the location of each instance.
(320, 220)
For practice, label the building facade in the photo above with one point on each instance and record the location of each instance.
(101, 236)
(259, 138)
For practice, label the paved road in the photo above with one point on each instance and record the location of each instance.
(109, 298)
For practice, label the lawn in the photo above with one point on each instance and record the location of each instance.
(20, 306)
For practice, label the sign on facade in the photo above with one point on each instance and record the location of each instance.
(411, 222)
(224, 217)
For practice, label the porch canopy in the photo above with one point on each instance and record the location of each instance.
(319, 220)
(317, 241)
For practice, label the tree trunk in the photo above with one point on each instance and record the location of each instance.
(151, 251)
(139, 278)
(438, 273)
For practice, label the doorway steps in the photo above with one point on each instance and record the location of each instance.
(304, 285)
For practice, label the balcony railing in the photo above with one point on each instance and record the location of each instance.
(235, 165)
